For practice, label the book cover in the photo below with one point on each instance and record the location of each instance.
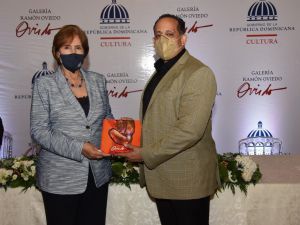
(117, 133)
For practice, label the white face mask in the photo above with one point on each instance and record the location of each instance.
(166, 48)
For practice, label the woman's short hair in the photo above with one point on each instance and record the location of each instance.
(65, 35)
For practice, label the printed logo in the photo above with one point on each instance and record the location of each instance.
(262, 26)
(115, 28)
(262, 11)
(114, 14)
(41, 73)
(37, 22)
(260, 83)
(191, 15)
(260, 142)
(36, 75)
(117, 79)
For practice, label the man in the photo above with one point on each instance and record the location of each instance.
(180, 161)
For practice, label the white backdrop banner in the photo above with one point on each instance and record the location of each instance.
(251, 45)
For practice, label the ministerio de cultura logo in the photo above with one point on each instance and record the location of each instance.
(262, 25)
(116, 29)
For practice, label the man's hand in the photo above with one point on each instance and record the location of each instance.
(134, 156)
(91, 152)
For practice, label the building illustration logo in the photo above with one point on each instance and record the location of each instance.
(260, 142)
(41, 73)
(261, 24)
(262, 11)
(116, 29)
(114, 14)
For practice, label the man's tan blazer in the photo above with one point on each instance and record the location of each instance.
(180, 160)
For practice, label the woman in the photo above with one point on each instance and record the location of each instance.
(67, 111)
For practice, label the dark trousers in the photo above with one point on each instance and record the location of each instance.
(183, 212)
(88, 208)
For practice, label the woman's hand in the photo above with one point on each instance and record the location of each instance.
(91, 152)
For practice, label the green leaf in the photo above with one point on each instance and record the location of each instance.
(125, 173)
(117, 168)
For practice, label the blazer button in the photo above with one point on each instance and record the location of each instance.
(87, 127)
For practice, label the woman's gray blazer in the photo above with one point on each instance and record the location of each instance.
(59, 125)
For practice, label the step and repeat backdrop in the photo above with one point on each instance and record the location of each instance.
(251, 45)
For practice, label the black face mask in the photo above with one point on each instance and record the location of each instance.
(72, 62)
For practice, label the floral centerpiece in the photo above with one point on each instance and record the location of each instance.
(17, 172)
(123, 172)
(236, 171)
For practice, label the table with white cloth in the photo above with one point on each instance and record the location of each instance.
(274, 201)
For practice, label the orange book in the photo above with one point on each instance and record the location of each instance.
(117, 133)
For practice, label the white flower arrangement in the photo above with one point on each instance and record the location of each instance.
(248, 167)
(5, 175)
(20, 172)
(235, 171)
(17, 172)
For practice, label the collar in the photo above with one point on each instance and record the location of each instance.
(161, 64)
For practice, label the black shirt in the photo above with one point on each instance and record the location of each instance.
(85, 104)
(162, 68)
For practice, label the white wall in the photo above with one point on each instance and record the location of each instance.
(222, 43)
